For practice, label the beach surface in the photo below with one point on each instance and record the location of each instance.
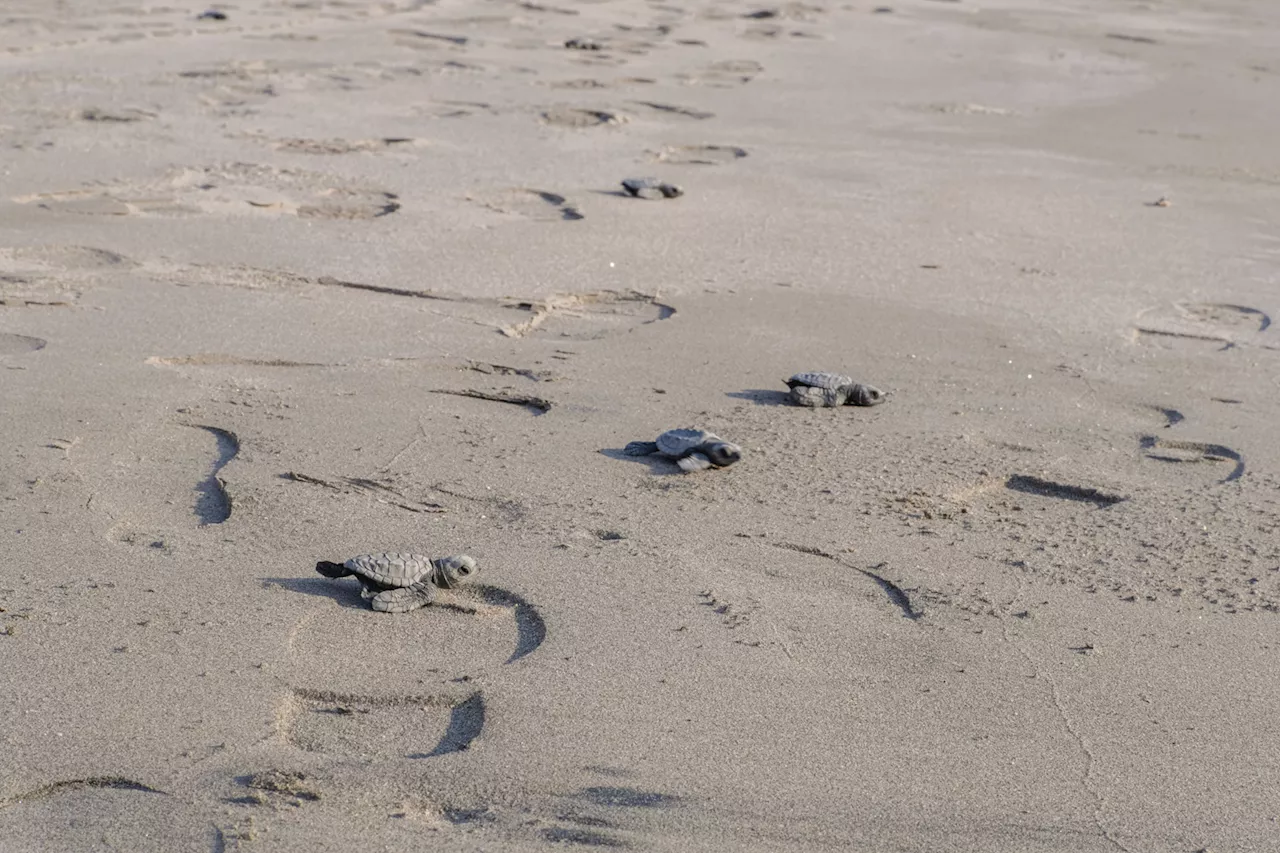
(298, 281)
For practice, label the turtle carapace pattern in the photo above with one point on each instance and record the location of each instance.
(692, 449)
(832, 389)
(398, 583)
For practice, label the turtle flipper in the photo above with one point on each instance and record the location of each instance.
(693, 462)
(641, 448)
(807, 395)
(405, 598)
(332, 570)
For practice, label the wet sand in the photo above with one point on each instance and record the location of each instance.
(319, 279)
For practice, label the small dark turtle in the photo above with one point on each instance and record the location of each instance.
(651, 188)
(692, 449)
(398, 583)
(832, 389)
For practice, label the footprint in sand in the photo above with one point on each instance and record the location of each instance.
(577, 83)
(423, 39)
(240, 87)
(587, 316)
(53, 275)
(246, 277)
(577, 118)
(700, 155)
(1194, 453)
(383, 727)
(56, 258)
(37, 27)
(578, 316)
(11, 344)
(1201, 325)
(539, 205)
(1182, 452)
(724, 74)
(602, 816)
(673, 110)
(988, 491)
(786, 11)
(112, 810)
(237, 188)
(214, 504)
(771, 33)
(176, 469)
(547, 8)
(220, 359)
(1031, 485)
(126, 115)
(453, 109)
(421, 695)
(385, 144)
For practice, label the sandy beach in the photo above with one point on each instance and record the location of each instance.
(296, 281)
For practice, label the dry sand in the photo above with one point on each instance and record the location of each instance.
(1030, 604)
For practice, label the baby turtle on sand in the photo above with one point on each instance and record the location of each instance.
(398, 583)
(692, 449)
(832, 389)
(651, 188)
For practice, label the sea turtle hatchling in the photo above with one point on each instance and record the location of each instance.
(692, 449)
(832, 389)
(398, 583)
(650, 188)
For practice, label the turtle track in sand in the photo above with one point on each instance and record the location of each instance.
(539, 405)
(383, 491)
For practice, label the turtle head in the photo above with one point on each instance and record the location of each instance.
(452, 571)
(722, 453)
(866, 395)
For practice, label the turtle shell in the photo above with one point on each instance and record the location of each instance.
(681, 442)
(819, 379)
(391, 570)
